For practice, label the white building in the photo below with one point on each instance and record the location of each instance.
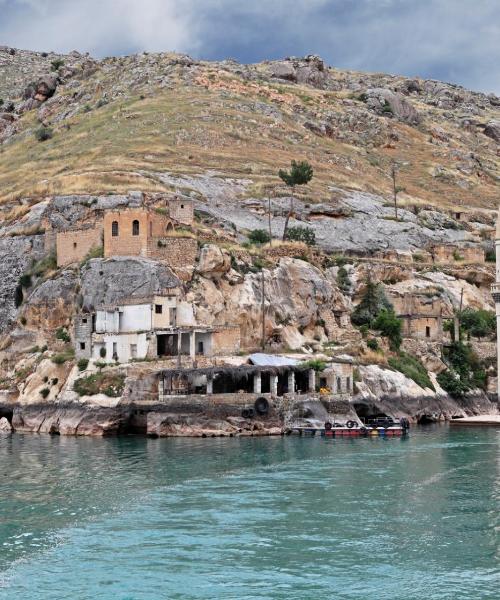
(149, 328)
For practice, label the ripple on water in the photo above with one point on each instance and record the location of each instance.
(251, 518)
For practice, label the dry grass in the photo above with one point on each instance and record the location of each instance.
(128, 143)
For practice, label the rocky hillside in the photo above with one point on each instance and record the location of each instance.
(78, 134)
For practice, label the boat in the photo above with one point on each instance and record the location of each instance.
(378, 427)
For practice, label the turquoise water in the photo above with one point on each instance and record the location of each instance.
(136, 518)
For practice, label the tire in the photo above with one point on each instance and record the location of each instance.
(351, 424)
(261, 406)
(244, 413)
(328, 426)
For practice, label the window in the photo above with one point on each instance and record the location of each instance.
(348, 384)
(339, 385)
(84, 320)
(158, 309)
(200, 348)
(74, 244)
(135, 227)
(133, 350)
(182, 205)
(114, 228)
(115, 351)
(173, 317)
(427, 332)
(82, 345)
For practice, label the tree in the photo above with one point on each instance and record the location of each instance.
(372, 303)
(300, 173)
(395, 188)
(390, 327)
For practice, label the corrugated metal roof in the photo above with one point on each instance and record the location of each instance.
(271, 360)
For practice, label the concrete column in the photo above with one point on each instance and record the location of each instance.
(192, 345)
(274, 385)
(291, 382)
(257, 383)
(179, 343)
(312, 380)
(210, 385)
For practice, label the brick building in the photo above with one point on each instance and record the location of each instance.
(73, 246)
(421, 316)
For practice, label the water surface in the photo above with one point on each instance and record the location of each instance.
(134, 518)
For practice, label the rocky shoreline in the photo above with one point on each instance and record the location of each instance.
(192, 420)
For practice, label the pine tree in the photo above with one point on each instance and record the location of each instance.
(300, 173)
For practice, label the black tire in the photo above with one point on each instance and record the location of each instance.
(244, 413)
(261, 406)
(250, 412)
(351, 424)
(328, 426)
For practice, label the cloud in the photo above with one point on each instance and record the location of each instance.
(453, 40)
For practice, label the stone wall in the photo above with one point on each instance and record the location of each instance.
(73, 246)
(226, 341)
(177, 252)
(83, 336)
(422, 327)
(181, 210)
(450, 253)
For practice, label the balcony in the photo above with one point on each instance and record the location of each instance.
(495, 291)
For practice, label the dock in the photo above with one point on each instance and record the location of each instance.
(480, 420)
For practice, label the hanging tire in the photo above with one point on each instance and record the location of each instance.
(328, 426)
(261, 406)
(351, 424)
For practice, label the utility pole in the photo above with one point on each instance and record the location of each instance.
(394, 169)
(269, 220)
(263, 341)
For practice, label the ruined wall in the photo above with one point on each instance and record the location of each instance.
(177, 253)
(181, 210)
(226, 341)
(449, 253)
(83, 336)
(423, 327)
(73, 246)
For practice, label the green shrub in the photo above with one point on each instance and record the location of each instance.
(110, 384)
(100, 364)
(452, 384)
(259, 236)
(43, 133)
(102, 352)
(390, 327)
(343, 280)
(44, 392)
(82, 364)
(63, 335)
(316, 364)
(49, 263)
(478, 323)
(412, 368)
(372, 303)
(301, 234)
(373, 344)
(62, 357)
(56, 64)
(54, 381)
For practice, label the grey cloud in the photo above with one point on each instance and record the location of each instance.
(454, 40)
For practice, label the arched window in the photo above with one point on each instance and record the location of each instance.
(114, 228)
(135, 227)
(170, 227)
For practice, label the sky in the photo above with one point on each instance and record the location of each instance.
(451, 40)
